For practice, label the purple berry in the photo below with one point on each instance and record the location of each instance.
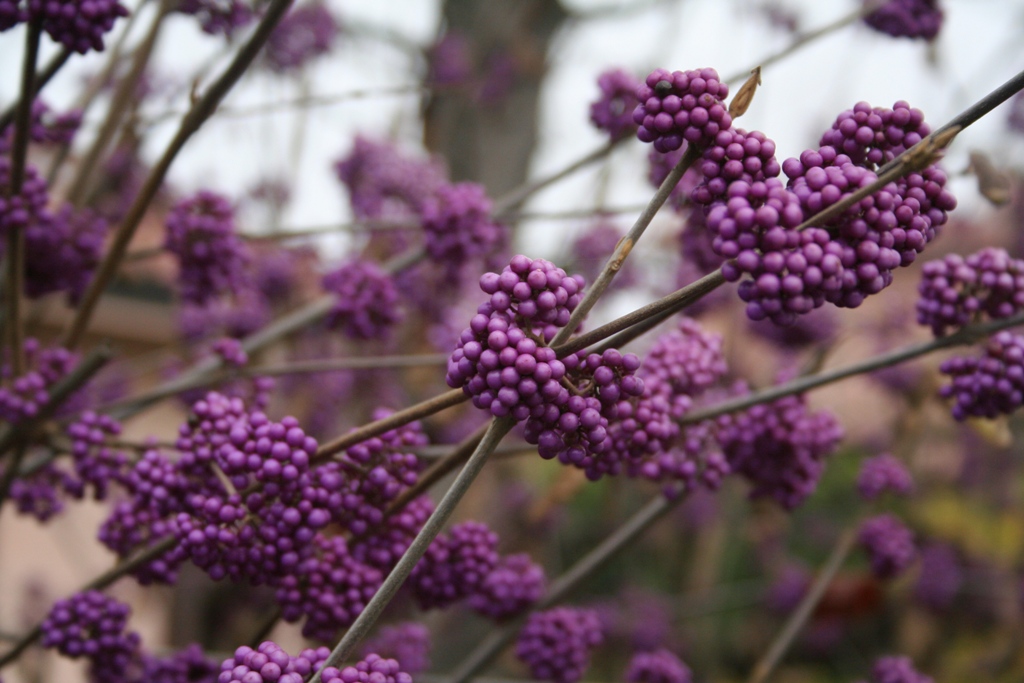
(889, 545)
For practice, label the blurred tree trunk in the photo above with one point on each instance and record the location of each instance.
(486, 128)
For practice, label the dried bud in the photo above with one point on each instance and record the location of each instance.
(993, 184)
(745, 95)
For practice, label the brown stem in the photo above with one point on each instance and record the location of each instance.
(202, 110)
(15, 256)
(123, 97)
(40, 80)
(799, 617)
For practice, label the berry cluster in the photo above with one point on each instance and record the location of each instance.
(306, 32)
(681, 106)
(454, 565)
(780, 447)
(62, 250)
(188, 665)
(96, 463)
(11, 14)
(897, 670)
(269, 663)
(574, 426)
(907, 19)
(956, 291)
(889, 545)
(499, 361)
(733, 155)
(329, 588)
(657, 666)
(222, 17)
(514, 584)
(612, 112)
(408, 643)
(20, 210)
(366, 300)
(211, 257)
(556, 644)
(76, 24)
(752, 216)
(372, 669)
(45, 126)
(373, 473)
(92, 625)
(883, 473)
(458, 226)
(21, 398)
(382, 182)
(990, 385)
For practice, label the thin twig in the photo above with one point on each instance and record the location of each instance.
(202, 110)
(392, 421)
(626, 244)
(15, 256)
(811, 36)
(967, 335)
(499, 427)
(499, 637)
(122, 98)
(802, 613)
(504, 206)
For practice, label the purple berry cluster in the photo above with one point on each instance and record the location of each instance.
(889, 545)
(188, 665)
(897, 670)
(681, 366)
(11, 14)
(20, 210)
(373, 473)
(372, 669)
(681, 106)
(500, 360)
(907, 19)
(96, 463)
(556, 644)
(408, 643)
(989, 385)
(211, 256)
(780, 447)
(21, 398)
(222, 17)
(329, 588)
(612, 112)
(391, 538)
(752, 215)
(883, 473)
(514, 584)
(269, 663)
(382, 182)
(306, 32)
(62, 251)
(78, 25)
(657, 666)
(45, 126)
(92, 625)
(734, 155)
(458, 226)
(574, 426)
(366, 300)
(454, 565)
(956, 291)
